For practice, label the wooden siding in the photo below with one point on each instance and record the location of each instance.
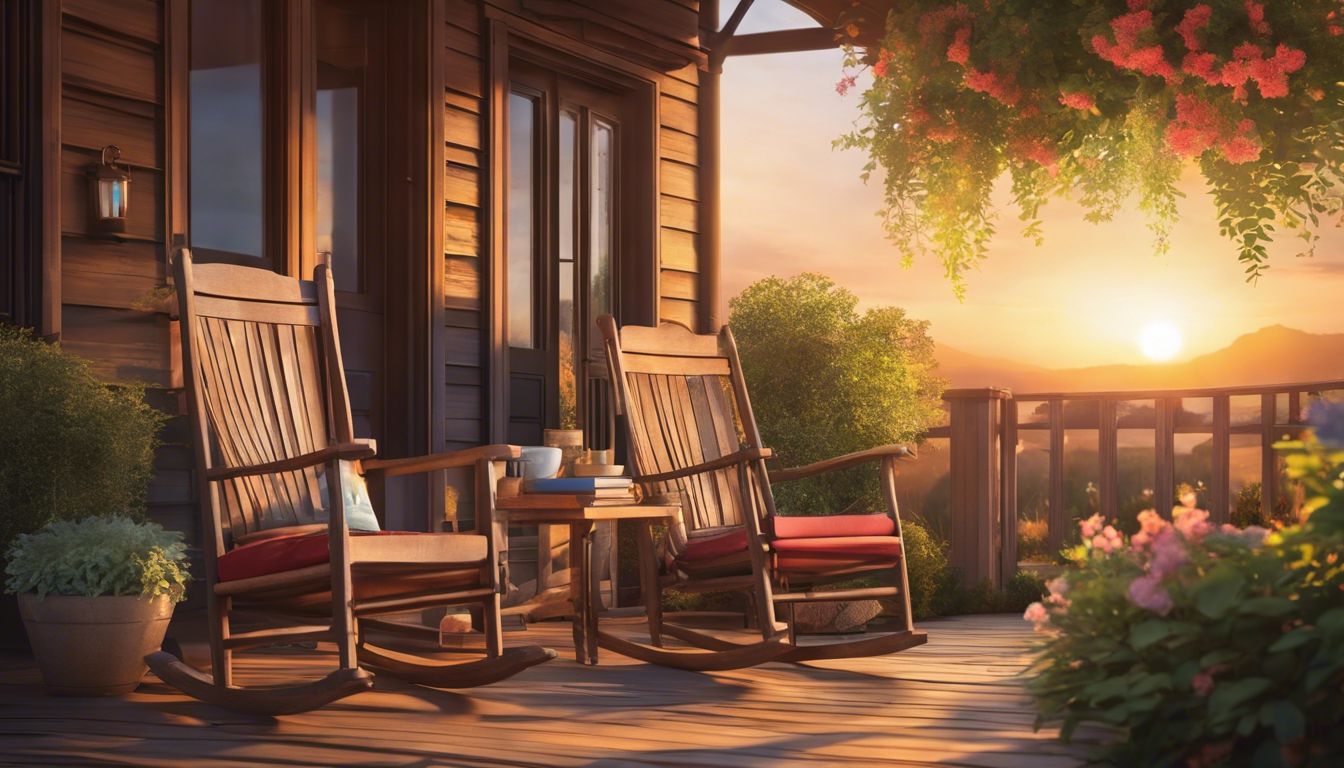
(112, 91)
(116, 85)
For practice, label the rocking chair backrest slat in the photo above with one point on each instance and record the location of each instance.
(678, 394)
(259, 370)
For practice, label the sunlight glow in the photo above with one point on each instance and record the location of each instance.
(1160, 340)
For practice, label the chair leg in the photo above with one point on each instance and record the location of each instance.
(494, 630)
(649, 584)
(221, 658)
(793, 625)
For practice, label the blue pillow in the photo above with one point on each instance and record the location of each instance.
(359, 515)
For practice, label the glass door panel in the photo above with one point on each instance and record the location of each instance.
(226, 97)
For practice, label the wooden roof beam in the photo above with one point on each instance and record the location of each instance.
(718, 42)
(781, 41)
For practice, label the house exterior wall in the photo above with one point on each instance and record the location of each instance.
(122, 69)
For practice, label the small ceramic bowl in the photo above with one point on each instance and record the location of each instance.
(540, 461)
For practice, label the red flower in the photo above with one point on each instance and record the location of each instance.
(1078, 100)
(935, 23)
(1196, 127)
(1203, 66)
(1255, 14)
(1000, 89)
(959, 52)
(1125, 53)
(1241, 149)
(883, 61)
(1194, 20)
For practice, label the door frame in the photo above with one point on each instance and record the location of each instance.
(508, 36)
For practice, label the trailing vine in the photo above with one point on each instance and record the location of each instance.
(1104, 101)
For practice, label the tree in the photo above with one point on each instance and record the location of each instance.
(826, 379)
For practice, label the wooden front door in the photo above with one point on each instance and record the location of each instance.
(564, 190)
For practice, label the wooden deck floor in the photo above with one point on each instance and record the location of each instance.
(955, 701)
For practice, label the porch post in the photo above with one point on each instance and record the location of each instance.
(977, 494)
(707, 117)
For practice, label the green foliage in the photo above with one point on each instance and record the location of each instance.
(1246, 509)
(112, 555)
(1105, 101)
(1207, 646)
(926, 568)
(70, 445)
(826, 380)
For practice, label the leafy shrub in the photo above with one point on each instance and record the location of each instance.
(1206, 646)
(1246, 509)
(99, 556)
(827, 379)
(1033, 541)
(926, 567)
(70, 445)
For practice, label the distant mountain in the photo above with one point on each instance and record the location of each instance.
(1272, 355)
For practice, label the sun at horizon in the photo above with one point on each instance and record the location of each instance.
(1160, 341)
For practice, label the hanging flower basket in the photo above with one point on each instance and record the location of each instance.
(1101, 101)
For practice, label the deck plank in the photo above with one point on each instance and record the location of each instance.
(956, 701)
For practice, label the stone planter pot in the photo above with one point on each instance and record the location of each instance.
(94, 646)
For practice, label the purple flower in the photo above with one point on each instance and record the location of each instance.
(1327, 422)
(1148, 593)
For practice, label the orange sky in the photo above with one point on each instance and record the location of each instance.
(791, 203)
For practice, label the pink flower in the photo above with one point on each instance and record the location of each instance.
(1037, 615)
(1193, 523)
(1125, 53)
(1077, 100)
(1150, 525)
(1202, 683)
(1091, 526)
(1251, 535)
(1058, 588)
(1194, 20)
(1148, 593)
(846, 82)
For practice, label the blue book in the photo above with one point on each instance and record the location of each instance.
(578, 485)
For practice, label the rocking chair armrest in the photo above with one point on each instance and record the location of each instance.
(732, 459)
(447, 460)
(843, 462)
(358, 449)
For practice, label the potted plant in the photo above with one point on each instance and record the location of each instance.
(96, 596)
(71, 446)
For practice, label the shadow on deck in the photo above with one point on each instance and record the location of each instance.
(955, 701)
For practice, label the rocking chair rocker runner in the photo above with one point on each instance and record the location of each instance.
(693, 439)
(271, 425)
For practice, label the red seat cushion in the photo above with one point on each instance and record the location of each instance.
(826, 526)
(836, 553)
(282, 553)
(712, 547)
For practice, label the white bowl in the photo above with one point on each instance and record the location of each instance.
(540, 461)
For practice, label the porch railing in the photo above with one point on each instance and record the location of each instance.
(990, 429)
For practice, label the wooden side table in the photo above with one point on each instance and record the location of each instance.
(581, 514)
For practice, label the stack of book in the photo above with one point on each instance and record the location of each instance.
(614, 488)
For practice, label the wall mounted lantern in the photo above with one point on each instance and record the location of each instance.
(109, 193)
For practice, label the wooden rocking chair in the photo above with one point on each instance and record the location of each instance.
(271, 424)
(693, 438)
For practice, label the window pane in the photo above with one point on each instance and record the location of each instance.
(602, 200)
(522, 215)
(341, 53)
(567, 322)
(226, 126)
